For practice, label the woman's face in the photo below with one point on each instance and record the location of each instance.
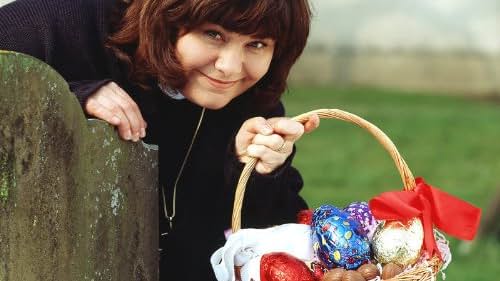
(220, 65)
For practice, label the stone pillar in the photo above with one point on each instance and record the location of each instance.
(76, 202)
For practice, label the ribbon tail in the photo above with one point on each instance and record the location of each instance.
(434, 207)
(429, 245)
(450, 214)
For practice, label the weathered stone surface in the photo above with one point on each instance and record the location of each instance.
(76, 202)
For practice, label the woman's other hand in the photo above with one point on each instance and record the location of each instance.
(113, 105)
(271, 140)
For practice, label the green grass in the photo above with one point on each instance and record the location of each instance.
(452, 142)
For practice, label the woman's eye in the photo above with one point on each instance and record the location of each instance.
(213, 34)
(258, 45)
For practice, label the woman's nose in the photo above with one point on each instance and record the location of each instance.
(230, 60)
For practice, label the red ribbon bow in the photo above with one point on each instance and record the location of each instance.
(434, 207)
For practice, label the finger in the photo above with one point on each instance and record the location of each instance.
(274, 141)
(135, 107)
(248, 130)
(286, 148)
(290, 130)
(269, 159)
(266, 155)
(257, 125)
(131, 119)
(312, 123)
(264, 168)
(95, 109)
(110, 105)
(130, 109)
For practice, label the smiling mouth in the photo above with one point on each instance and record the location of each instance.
(219, 84)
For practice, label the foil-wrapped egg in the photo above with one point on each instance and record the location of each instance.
(336, 240)
(305, 216)
(360, 212)
(398, 243)
(281, 266)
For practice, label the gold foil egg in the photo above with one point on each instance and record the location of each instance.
(396, 242)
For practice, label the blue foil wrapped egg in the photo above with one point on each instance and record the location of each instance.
(336, 240)
(360, 212)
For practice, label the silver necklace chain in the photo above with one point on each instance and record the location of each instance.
(171, 217)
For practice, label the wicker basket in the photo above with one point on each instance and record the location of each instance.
(420, 272)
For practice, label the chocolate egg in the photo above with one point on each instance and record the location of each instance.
(305, 216)
(282, 266)
(397, 242)
(360, 212)
(352, 275)
(390, 270)
(334, 274)
(336, 241)
(369, 271)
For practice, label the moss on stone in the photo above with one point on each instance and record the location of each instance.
(7, 180)
(75, 200)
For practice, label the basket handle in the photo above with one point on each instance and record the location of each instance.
(383, 139)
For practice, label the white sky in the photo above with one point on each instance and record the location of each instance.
(437, 24)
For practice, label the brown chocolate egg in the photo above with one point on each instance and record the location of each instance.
(352, 275)
(369, 271)
(334, 274)
(390, 270)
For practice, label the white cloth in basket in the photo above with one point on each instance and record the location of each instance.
(246, 247)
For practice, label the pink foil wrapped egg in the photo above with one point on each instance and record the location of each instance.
(360, 212)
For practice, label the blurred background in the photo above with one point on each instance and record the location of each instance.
(433, 45)
(427, 72)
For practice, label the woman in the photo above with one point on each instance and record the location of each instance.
(203, 79)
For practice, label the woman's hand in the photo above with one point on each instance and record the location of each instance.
(271, 141)
(113, 105)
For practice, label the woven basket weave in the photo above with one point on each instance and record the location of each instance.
(421, 272)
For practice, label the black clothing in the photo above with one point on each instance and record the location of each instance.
(69, 35)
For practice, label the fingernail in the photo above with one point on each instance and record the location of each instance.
(128, 135)
(266, 129)
(137, 136)
(143, 132)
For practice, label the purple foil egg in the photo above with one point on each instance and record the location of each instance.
(360, 212)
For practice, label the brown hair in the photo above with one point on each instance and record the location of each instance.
(146, 36)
